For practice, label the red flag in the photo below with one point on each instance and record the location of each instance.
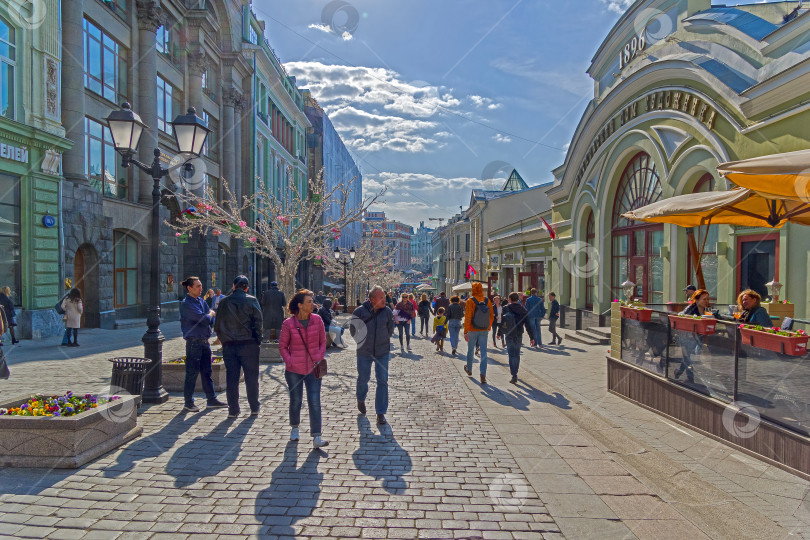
(470, 271)
(549, 229)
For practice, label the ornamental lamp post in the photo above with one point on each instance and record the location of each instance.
(345, 264)
(190, 132)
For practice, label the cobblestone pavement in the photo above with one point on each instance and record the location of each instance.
(554, 456)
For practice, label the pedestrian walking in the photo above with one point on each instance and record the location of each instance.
(514, 320)
(404, 313)
(302, 344)
(273, 304)
(441, 301)
(239, 326)
(496, 322)
(73, 315)
(536, 310)
(412, 298)
(439, 329)
(11, 315)
(455, 320)
(218, 296)
(196, 320)
(372, 326)
(424, 314)
(553, 316)
(478, 316)
(209, 298)
(319, 298)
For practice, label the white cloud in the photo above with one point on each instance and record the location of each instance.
(618, 6)
(346, 36)
(375, 109)
(502, 138)
(484, 102)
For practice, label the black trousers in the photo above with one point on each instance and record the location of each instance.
(244, 357)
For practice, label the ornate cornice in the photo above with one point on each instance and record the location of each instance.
(197, 60)
(150, 15)
(233, 98)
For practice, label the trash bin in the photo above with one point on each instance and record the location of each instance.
(128, 374)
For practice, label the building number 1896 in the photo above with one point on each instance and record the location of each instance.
(631, 49)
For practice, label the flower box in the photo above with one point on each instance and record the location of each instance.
(637, 314)
(704, 326)
(174, 376)
(793, 345)
(66, 441)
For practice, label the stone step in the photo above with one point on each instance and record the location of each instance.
(602, 331)
(579, 338)
(130, 323)
(591, 336)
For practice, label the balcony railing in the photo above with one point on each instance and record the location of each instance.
(722, 366)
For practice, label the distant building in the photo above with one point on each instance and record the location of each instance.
(421, 259)
(389, 236)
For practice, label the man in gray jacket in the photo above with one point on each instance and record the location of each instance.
(372, 326)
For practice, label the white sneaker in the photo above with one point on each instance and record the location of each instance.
(317, 442)
(294, 434)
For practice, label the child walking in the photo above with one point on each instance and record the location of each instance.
(439, 326)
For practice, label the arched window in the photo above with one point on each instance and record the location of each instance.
(590, 277)
(706, 238)
(8, 61)
(637, 245)
(126, 270)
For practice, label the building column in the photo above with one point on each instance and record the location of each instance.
(229, 139)
(150, 18)
(73, 89)
(197, 64)
(239, 107)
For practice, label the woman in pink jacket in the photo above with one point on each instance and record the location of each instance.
(302, 343)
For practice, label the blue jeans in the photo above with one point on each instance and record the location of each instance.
(381, 375)
(296, 383)
(198, 362)
(244, 356)
(454, 326)
(413, 326)
(534, 322)
(479, 337)
(513, 344)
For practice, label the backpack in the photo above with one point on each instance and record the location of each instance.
(480, 318)
(508, 322)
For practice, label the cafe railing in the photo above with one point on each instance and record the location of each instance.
(721, 365)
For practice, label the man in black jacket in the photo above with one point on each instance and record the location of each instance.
(273, 304)
(239, 327)
(372, 326)
(516, 320)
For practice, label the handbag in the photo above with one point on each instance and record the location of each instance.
(320, 366)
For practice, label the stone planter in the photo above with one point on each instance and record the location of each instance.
(66, 442)
(269, 353)
(174, 377)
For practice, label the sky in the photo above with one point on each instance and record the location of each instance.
(434, 99)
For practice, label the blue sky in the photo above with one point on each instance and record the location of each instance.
(436, 98)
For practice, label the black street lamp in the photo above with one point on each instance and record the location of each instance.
(190, 132)
(345, 267)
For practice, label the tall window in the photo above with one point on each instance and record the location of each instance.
(706, 238)
(126, 270)
(10, 233)
(101, 164)
(104, 64)
(253, 36)
(164, 100)
(8, 60)
(207, 121)
(590, 266)
(637, 247)
(212, 183)
(163, 41)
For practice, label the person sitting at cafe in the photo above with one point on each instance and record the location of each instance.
(698, 304)
(750, 303)
(692, 344)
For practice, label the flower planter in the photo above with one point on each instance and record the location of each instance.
(790, 345)
(68, 441)
(641, 315)
(174, 377)
(269, 353)
(702, 326)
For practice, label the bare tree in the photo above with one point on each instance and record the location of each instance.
(287, 228)
(370, 263)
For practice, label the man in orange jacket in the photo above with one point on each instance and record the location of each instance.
(478, 317)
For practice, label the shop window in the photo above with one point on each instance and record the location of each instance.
(637, 246)
(101, 163)
(10, 233)
(706, 238)
(164, 104)
(126, 270)
(8, 61)
(104, 64)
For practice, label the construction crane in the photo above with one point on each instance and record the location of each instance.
(439, 219)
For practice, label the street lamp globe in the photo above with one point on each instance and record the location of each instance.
(352, 254)
(126, 129)
(190, 132)
(337, 253)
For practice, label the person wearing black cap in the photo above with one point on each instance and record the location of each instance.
(273, 303)
(689, 290)
(239, 326)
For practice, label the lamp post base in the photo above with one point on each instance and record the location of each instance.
(153, 391)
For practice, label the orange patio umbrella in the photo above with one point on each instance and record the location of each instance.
(778, 175)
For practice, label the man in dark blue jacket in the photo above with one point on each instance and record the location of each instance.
(196, 319)
(536, 310)
(514, 318)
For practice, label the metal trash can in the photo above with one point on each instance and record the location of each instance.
(128, 374)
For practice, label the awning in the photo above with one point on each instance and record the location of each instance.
(332, 285)
(467, 287)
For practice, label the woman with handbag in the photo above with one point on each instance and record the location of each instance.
(403, 314)
(73, 315)
(303, 346)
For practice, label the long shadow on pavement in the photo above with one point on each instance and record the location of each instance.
(381, 457)
(208, 454)
(524, 395)
(293, 492)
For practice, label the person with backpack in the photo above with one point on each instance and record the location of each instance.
(513, 321)
(455, 320)
(478, 317)
(537, 310)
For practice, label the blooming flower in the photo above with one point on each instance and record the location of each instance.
(242, 224)
(177, 234)
(252, 238)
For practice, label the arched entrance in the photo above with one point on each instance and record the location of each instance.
(636, 245)
(85, 275)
